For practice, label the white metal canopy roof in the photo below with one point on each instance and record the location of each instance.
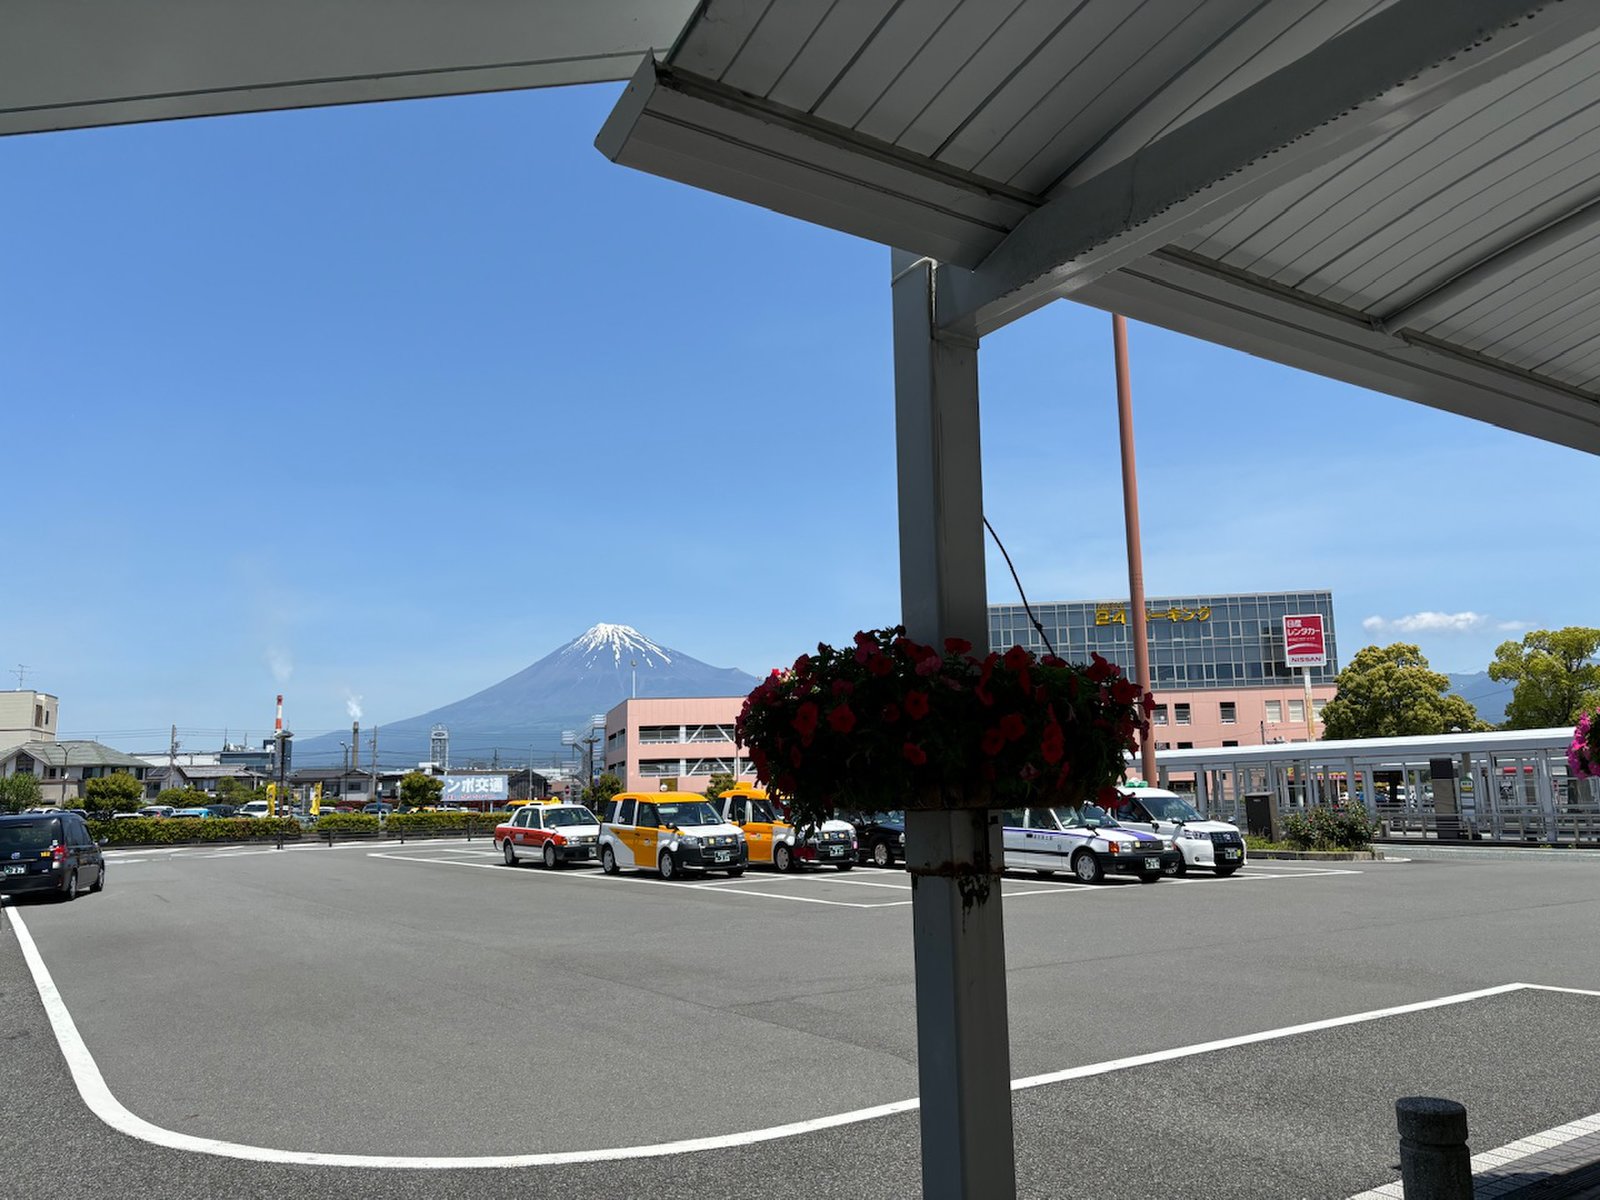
(1400, 193)
(67, 64)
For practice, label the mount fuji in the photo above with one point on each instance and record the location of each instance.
(528, 711)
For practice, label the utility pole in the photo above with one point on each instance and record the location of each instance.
(376, 786)
(172, 755)
(21, 672)
(1130, 517)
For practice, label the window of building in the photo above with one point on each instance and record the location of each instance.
(1182, 713)
(1159, 714)
(1317, 706)
(660, 733)
(659, 766)
(1185, 745)
(1297, 710)
(1230, 712)
(1274, 711)
(1228, 743)
(1163, 745)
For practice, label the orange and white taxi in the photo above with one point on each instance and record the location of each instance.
(553, 833)
(669, 832)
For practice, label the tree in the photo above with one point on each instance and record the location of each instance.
(1392, 692)
(595, 796)
(18, 792)
(119, 792)
(1557, 676)
(419, 791)
(721, 781)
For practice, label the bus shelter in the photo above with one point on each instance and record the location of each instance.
(1511, 786)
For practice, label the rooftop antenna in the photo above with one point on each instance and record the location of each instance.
(21, 672)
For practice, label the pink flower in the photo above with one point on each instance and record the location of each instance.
(913, 754)
(916, 705)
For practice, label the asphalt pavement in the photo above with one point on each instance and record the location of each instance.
(431, 1002)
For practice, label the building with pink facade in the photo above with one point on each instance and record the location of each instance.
(676, 744)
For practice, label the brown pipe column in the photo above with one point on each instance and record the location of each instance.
(1130, 511)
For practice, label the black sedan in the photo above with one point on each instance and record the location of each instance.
(880, 836)
(51, 853)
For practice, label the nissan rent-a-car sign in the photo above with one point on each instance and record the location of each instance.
(475, 789)
(1303, 641)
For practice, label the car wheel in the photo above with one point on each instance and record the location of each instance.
(882, 856)
(1086, 867)
(608, 861)
(735, 872)
(1151, 876)
(99, 884)
(550, 862)
(69, 886)
(1181, 869)
(1043, 874)
(845, 866)
(510, 853)
(664, 864)
(782, 859)
(1224, 872)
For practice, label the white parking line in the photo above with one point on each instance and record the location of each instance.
(97, 1096)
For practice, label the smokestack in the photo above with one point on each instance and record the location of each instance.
(277, 726)
(355, 745)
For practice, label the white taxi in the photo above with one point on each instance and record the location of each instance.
(1210, 845)
(553, 833)
(669, 832)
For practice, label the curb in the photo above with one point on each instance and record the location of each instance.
(1320, 855)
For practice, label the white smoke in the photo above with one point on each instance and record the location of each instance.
(352, 705)
(280, 662)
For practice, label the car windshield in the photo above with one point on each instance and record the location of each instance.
(1169, 808)
(689, 813)
(762, 810)
(568, 816)
(1090, 816)
(29, 835)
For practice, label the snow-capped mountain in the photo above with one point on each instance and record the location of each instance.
(590, 674)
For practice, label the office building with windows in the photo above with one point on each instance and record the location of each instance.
(676, 743)
(1217, 663)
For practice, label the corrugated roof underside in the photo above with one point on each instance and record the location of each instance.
(1027, 93)
(1377, 230)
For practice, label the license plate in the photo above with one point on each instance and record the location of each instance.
(1152, 864)
(723, 855)
(1231, 854)
(833, 851)
(16, 869)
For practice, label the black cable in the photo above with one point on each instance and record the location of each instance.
(1026, 607)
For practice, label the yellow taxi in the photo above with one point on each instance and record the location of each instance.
(668, 832)
(779, 844)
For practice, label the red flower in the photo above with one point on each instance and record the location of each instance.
(843, 687)
(1012, 726)
(993, 741)
(916, 705)
(1051, 660)
(1148, 703)
(890, 714)
(929, 665)
(957, 646)
(1052, 744)
(802, 665)
(879, 665)
(841, 719)
(805, 719)
(1100, 670)
(1017, 658)
(913, 754)
(1107, 796)
(759, 757)
(1124, 692)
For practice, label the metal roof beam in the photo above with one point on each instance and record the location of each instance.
(1197, 296)
(1383, 73)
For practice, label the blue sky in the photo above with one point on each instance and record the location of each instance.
(379, 404)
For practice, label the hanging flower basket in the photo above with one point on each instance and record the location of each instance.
(890, 723)
(1583, 756)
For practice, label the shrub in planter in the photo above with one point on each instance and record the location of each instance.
(890, 723)
(1329, 827)
(443, 822)
(156, 831)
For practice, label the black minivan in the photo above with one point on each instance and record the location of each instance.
(49, 852)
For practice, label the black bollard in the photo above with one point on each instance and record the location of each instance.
(1435, 1163)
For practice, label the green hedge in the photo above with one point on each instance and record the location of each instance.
(444, 822)
(347, 823)
(166, 831)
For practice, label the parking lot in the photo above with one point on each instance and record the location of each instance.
(262, 1016)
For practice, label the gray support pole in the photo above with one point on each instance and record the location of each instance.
(1435, 1162)
(955, 858)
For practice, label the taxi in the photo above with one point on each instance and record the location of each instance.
(1085, 840)
(670, 833)
(553, 833)
(1216, 846)
(777, 843)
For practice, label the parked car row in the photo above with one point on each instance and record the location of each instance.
(1150, 833)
